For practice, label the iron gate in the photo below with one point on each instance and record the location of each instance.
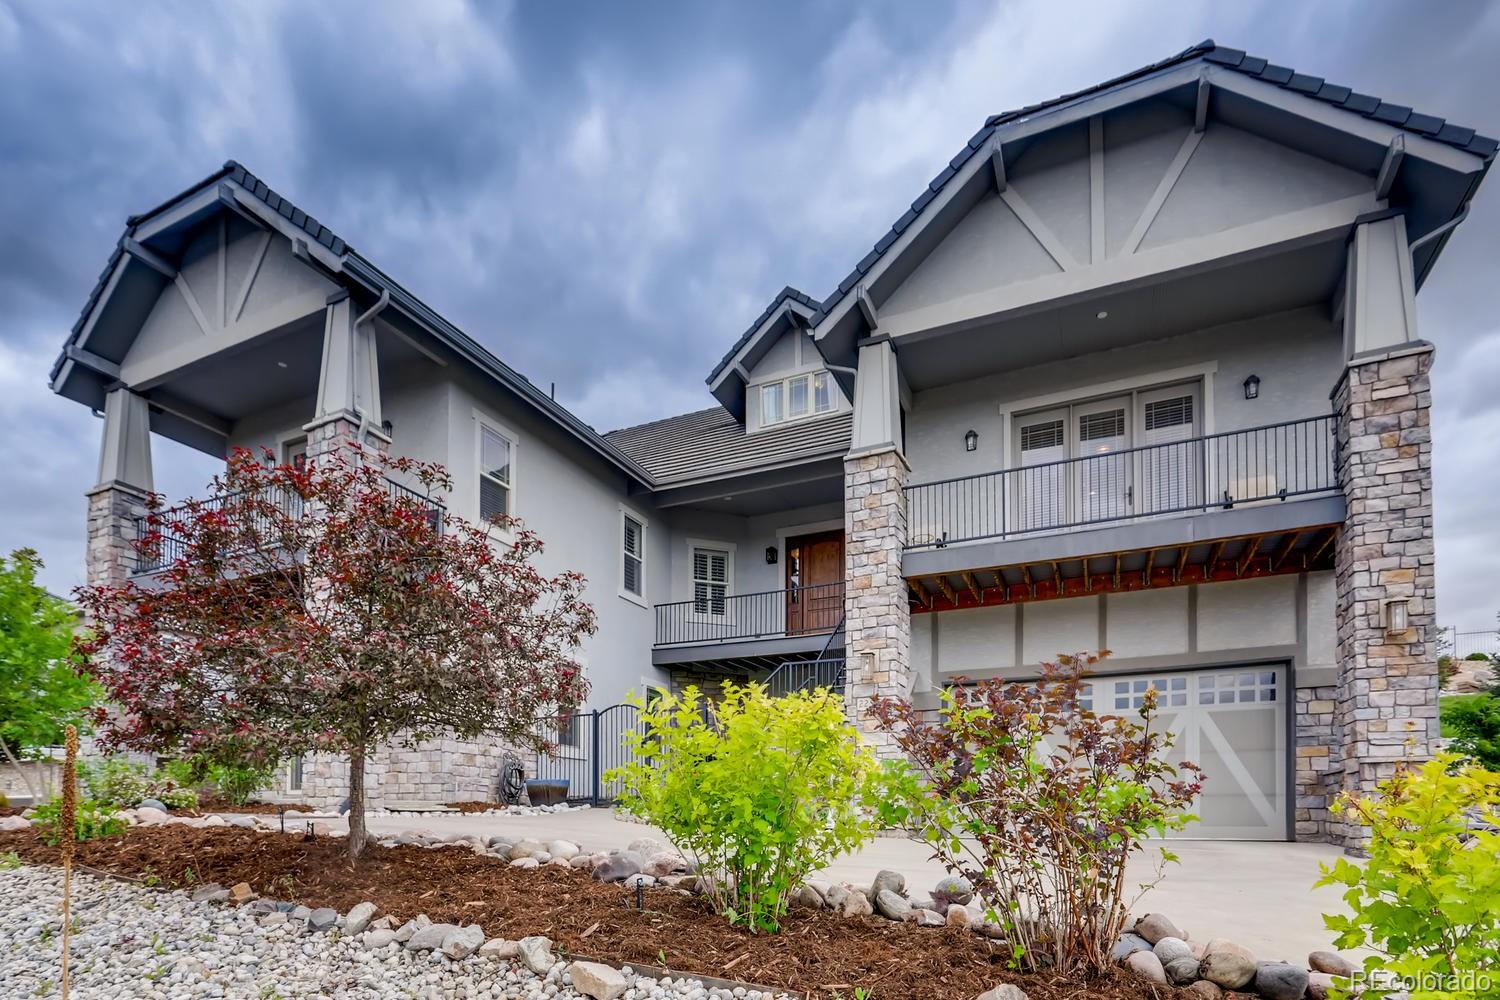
(588, 746)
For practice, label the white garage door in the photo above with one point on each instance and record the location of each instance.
(1229, 721)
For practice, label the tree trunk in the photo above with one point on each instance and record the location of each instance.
(357, 830)
(25, 778)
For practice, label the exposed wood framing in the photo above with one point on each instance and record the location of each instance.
(1214, 554)
(946, 588)
(920, 593)
(1146, 569)
(1323, 545)
(1284, 549)
(1252, 546)
(974, 588)
(1182, 558)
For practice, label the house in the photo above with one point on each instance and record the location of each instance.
(1139, 369)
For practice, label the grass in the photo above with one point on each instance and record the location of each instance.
(1448, 701)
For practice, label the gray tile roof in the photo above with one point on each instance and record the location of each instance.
(786, 293)
(1399, 115)
(711, 443)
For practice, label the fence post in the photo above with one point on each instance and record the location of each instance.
(594, 759)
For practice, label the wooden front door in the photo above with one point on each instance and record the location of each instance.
(814, 582)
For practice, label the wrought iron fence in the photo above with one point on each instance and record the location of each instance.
(588, 745)
(716, 617)
(1216, 471)
(807, 675)
(1463, 644)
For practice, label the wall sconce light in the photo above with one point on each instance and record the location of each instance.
(387, 427)
(1397, 619)
(971, 440)
(1252, 387)
(770, 555)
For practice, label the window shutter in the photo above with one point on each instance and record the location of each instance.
(634, 555)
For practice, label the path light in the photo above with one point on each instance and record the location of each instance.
(971, 440)
(1252, 387)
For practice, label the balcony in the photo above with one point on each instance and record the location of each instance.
(1264, 499)
(751, 632)
(171, 522)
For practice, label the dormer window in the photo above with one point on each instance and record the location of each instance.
(795, 397)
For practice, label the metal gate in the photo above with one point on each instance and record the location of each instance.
(588, 746)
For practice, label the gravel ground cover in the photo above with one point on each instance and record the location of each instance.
(818, 952)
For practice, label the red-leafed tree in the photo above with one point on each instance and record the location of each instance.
(322, 608)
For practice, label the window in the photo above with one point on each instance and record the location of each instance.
(495, 457)
(710, 581)
(796, 397)
(633, 556)
(567, 729)
(294, 774)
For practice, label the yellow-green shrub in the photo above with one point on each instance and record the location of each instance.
(758, 792)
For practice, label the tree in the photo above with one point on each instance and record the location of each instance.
(323, 608)
(41, 690)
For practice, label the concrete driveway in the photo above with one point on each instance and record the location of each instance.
(1258, 894)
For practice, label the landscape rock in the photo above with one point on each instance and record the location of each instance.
(500, 949)
(581, 861)
(214, 821)
(892, 905)
(204, 891)
(496, 843)
(526, 848)
(1183, 970)
(1280, 981)
(463, 942)
(10, 824)
(856, 904)
(1146, 965)
(405, 931)
(807, 896)
(536, 954)
(665, 863)
(1128, 945)
(923, 917)
(959, 916)
(299, 912)
(644, 847)
(1005, 991)
(1154, 926)
(431, 937)
(602, 982)
(1319, 984)
(155, 804)
(525, 863)
(151, 816)
(641, 879)
(888, 881)
(1332, 963)
(1171, 948)
(1203, 990)
(953, 889)
(618, 867)
(241, 892)
(379, 938)
(359, 917)
(565, 849)
(1227, 964)
(323, 918)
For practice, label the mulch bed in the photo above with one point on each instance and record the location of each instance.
(472, 807)
(207, 806)
(816, 952)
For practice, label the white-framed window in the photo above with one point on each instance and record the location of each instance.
(713, 569)
(497, 464)
(632, 556)
(294, 774)
(796, 397)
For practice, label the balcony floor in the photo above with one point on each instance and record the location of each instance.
(744, 657)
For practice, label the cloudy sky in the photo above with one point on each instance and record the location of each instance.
(605, 194)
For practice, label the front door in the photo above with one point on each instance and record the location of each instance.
(814, 570)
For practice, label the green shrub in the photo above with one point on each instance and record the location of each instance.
(759, 796)
(173, 797)
(93, 820)
(115, 781)
(1474, 724)
(4, 801)
(1428, 899)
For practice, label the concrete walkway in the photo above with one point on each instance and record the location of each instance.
(1258, 894)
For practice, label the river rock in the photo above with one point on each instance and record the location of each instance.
(1227, 964)
(953, 889)
(463, 942)
(1005, 991)
(1182, 971)
(500, 949)
(959, 916)
(807, 896)
(536, 953)
(892, 905)
(856, 904)
(1128, 945)
(565, 849)
(1203, 990)
(1169, 949)
(431, 937)
(359, 917)
(1330, 962)
(1155, 926)
(1146, 965)
(618, 867)
(1320, 984)
(379, 938)
(525, 863)
(323, 918)
(888, 880)
(602, 982)
(526, 848)
(1280, 981)
(665, 863)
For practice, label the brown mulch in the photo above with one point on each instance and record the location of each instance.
(208, 805)
(816, 952)
(472, 807)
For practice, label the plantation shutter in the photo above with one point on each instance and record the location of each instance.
(1043, 490)
(1102, 479)
(710, 581)
(633, 544)
(1168, 464)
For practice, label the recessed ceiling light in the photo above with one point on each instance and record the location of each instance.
(281, 364)
(1102, 314)
(729, 498)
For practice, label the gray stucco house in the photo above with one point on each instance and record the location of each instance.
(1139, 369)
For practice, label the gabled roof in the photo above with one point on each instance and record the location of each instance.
(709, 444)
(789, 310)
(376, 281)
(1400, 116)
(787, 293)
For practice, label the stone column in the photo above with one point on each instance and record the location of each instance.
(876, 607)
(124, 484)
(1387, 703)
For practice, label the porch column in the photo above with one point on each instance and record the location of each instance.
(1386, 706)
(877, 612)
(348, 407)
(125, 482)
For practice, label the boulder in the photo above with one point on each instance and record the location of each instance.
(215, 821)
(498, 843)
(892, 905)
(888, 881)
(156, 804)
(1154, 926)
(1227, 964)
(1203, 990)
(1280, 981)
(1169, 949)
(151, 816)
(953, 889)
(323, 918)
(665, 863)
(1182, 971)
(525, 863)
(463, 942)
(645, 847)
(834, 896)
(526, 848)
(639, 879)
(359, 917)
(500, 949)
(1332, 963)
(1005, 991)
(379, 938)
(926, 918)
(565, 849)
(580, 861)
(243, 822)
(618, 867)
(602, 982)
(1146, 965)
(1128, 945)
(807, 896)
(405, 932)
(536, 954)
(1198, 947)
(959, 916)
(431, 937)
(11, 824)
(1320, 984)
(299, 912)
(856, 904)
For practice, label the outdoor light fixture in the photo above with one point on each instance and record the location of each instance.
(1252, 387)
(971, 440)
(1397, 619)
(770, 555)
(1102, 314)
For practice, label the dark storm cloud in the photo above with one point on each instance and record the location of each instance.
(604, 194)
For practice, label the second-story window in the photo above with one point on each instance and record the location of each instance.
(633, 544)
(710, 581)
(495, 459)
(796, 397)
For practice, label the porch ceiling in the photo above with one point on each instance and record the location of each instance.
(1243, 557)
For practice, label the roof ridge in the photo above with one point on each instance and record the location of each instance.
(662, 420)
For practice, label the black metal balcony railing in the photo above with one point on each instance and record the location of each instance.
(717, 617)
(1214, 472)
(807, 675)
(172, 535)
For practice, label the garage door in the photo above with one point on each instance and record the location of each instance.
(1232, 723)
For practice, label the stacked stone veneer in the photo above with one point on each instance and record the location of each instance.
(1386, 706)
(113, 510)
(877, 624)
(1319, 762)
(433, 772)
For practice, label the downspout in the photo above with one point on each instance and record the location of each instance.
(363, 318)
(1423, 240)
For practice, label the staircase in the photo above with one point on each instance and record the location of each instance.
(807, 675)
